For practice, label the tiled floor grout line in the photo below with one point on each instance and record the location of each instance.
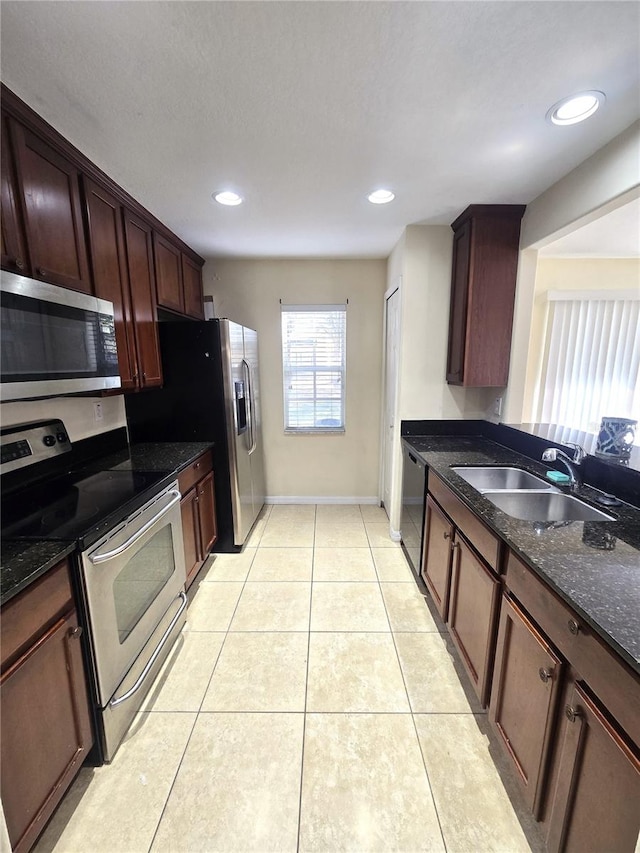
(195, 721)
(306, 681)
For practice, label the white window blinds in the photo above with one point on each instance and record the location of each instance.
(592, 361)
(314, 341)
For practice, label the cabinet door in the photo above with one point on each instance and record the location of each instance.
(191, 533)
(458, 310)
(207, 513)
(140, 267)
(475, 595)
(192, 287)
(168, 260)
(109, 266)
(51, 194)
(14, 249)
(524, 695)
(46, 729)
(596, 804)
(436, 555)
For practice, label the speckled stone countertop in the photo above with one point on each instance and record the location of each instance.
(602, 586)
(23, 561)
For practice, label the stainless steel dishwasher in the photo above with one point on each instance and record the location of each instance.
(413, 497)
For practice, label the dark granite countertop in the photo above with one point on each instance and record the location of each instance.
(602, 586)
(23, 561)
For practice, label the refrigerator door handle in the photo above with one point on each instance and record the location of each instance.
(250, 407)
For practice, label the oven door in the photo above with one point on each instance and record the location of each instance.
(131, 577)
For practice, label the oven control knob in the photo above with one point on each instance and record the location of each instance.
(62, 437)
(49, 440)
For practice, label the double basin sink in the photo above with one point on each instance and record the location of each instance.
(527, 496)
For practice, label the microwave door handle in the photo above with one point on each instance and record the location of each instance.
(115, 702)
(96, 559)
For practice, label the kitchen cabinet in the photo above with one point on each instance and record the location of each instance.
(566, 710)
(596, 803)
(14, 249)
(461, 558)
(49, 192)
(524, 698)
(139, 255)
(45, 719)
(123, 274)
(199, 527)
(178, 279)
(483, 283)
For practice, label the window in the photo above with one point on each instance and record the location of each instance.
(592, 360)
(313, 362)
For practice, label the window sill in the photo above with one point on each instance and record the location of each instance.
(327, 431)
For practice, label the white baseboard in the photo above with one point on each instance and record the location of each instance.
(306, 499)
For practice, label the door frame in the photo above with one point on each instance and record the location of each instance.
(394, 531)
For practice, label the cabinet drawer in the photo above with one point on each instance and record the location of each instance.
(27, 616)
(617, 686)
(484, 541)
(195, 471)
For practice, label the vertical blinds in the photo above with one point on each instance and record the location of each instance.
(592, 363)
(314, 364)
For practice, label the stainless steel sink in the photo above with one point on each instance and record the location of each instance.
(492, 479)
(545, 506)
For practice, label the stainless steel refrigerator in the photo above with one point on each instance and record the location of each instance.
(211, 392)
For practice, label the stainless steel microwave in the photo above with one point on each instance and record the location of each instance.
(54, 341)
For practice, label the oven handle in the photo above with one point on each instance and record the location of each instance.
(153, 658)
(109, 555)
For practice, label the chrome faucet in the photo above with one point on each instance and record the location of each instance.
(552, 454)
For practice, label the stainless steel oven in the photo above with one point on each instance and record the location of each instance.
(133, 583)
(54, 341)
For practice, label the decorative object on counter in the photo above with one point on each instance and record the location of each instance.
(615, 438)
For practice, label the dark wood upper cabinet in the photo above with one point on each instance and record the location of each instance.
(596, 801)
(139, 253)
(483, 283)
(192, 286)
(50, 192)
(14, 248)
(524, 695)
(109, 267)
(169, 292)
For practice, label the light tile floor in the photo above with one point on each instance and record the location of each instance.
(312, 703)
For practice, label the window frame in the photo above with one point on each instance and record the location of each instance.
(289, 369)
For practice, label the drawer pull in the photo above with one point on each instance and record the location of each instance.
(446, 535)
(571, 713)
(19, 263)
(42, 271)
(545, 674)
(573, 626)
(196, 464)
(75, 633)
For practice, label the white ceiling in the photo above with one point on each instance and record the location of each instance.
(305, 107)
(615, 235)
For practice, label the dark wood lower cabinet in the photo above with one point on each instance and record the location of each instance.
(524, 696)
(596, 802)
(45, 723)
(436, 555)
(198, 507)
(473, 608)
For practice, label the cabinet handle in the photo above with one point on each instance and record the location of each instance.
(571, 713)
(19, 263)
(41, 271)
(455, 544)
(75, 633)
(196, 464)
(446, 535)
(573, 627)
(545, 674)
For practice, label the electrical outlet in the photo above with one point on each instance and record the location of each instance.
(97, 412)
(497, 406)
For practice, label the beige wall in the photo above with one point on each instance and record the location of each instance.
(77, 414)
(569, 274)
(308, 466)
(605, 181)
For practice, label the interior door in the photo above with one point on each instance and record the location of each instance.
(392, 364)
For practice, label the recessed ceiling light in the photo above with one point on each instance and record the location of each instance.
(381, 197)
(576, 108)
(227, 197)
